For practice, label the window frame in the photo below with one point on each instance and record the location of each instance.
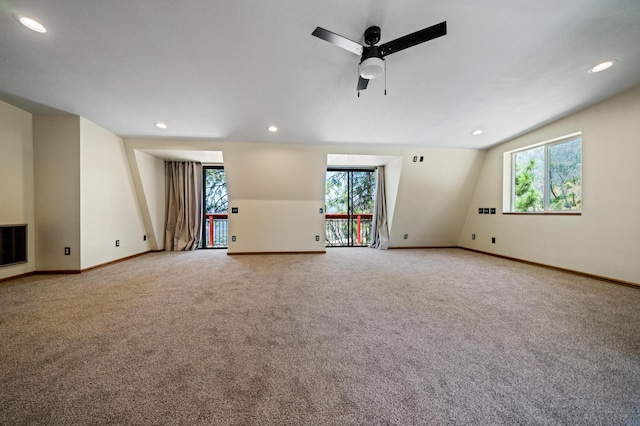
(509, 165)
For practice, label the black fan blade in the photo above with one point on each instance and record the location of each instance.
(362, 83)
(338, 40)
(412, 39)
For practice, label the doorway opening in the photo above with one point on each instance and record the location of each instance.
(349, 200)
(215, 202)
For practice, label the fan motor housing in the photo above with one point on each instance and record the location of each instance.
(372, 35)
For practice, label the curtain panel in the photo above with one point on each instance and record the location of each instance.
(379, 226)
(184, 205)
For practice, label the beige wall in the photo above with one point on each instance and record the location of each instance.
(279, 189)
(433, 197)
(148, 176)
(17, 180)
(434, 202)
(84, 196)
(605, 239)
(56, 141)
(108, 205)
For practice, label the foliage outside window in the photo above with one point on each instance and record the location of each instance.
(349, 193)
(216, 202)
(216, 199)
(548, 178)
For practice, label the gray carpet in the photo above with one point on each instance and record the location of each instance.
(354, 336)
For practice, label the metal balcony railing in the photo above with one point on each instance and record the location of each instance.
(342, 229)
(215, 230)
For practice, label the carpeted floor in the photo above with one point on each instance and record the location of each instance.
(353, 336)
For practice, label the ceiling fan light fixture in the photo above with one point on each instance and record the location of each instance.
(371, 68)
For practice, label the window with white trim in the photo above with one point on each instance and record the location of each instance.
(547, 177)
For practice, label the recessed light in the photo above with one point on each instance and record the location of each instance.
(273, 129)
(476, 132)
(31, 23)
(161, 125)
(602, 66)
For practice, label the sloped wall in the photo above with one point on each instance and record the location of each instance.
(108, 206)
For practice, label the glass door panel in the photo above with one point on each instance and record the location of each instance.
(349, 203)
(215, 208)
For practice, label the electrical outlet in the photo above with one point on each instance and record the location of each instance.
(492, 211)
(406, 236)
(234, 210)
(480, 210)
(493, 240)
(144, 238)
(415, 158)
(233, 239)
(317, 237)
(117, 243)
(421, 158)
(321, 210)
(473, 236)
(67, 251)
(486, 210)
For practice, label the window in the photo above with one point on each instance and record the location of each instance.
(547, 178)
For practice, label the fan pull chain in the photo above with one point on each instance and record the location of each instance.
(385, 79)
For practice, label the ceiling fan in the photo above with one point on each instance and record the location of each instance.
(372, 56)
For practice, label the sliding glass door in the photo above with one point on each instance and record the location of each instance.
(215, 203)
(349, 207)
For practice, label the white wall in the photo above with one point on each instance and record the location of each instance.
(56, 142)
(605, 239)
(108, 205)
(17, 180)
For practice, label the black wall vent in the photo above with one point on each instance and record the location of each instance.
(13, 244)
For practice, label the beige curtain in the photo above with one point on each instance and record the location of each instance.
(184, 205)
(379, 226)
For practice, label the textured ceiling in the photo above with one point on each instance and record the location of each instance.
(226, 70)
